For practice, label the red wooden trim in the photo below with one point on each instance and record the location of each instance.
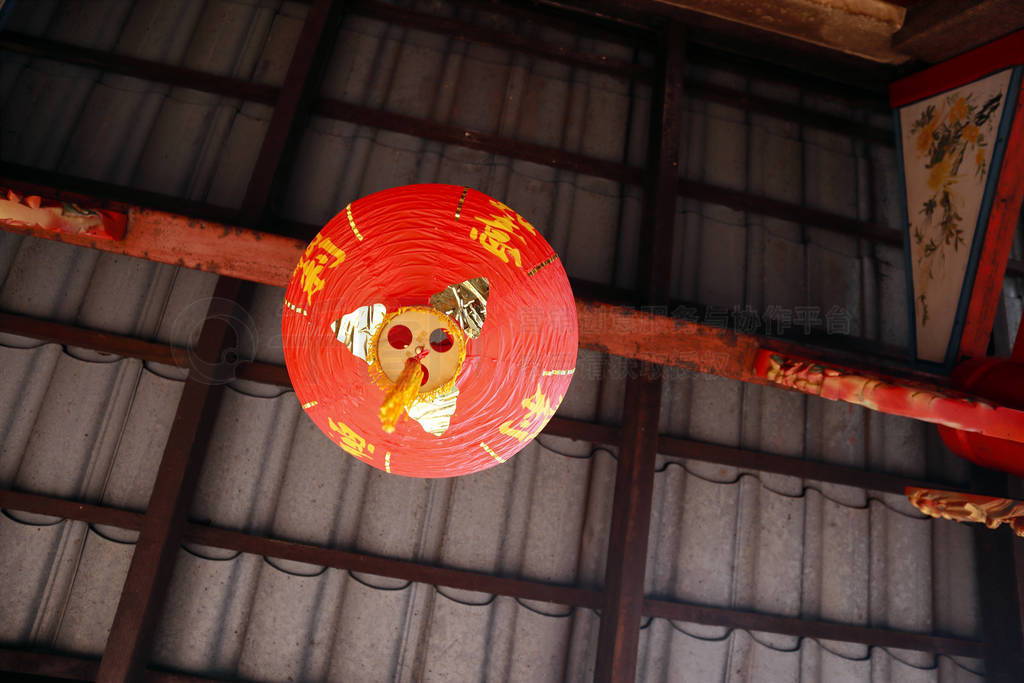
(995, 251)
(203, 245)
(1018, 344)
(968, 67)
(50, 215)
(614, 329)
(891, 395)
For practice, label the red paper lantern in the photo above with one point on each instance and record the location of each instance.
(456, 281)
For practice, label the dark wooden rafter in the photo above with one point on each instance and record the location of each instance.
(810, 628)
(1000, 577)
(138, 610)
(475, 33)
(459, 578)
(619, 635)
(128, 646)
(671, 446)
(233, 87)
(937, 30)
(291, 110)
(499, 145)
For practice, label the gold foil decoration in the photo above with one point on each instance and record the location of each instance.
(466, 302)
(435, 414)
(356, 329)
(361, 332)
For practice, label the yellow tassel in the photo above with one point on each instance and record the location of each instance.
(401, 395)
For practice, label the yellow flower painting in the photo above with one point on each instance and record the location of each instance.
(955, 128)
(948, 142)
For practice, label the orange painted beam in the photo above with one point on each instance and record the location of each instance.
(203, 245)
(617, 330)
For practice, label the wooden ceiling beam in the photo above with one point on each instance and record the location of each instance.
(937, 30)
(126, 654)
(614, 329)
(625, 568)
(652, 606)
(580, 430)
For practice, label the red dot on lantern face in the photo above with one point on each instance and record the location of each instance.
(441, 340)
(399, 336)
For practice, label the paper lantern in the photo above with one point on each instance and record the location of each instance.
(430, 331)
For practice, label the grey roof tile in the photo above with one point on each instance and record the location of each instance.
(81, 425)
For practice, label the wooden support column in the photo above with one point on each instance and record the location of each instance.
(145, 587)
(619, 636)
(996, 555)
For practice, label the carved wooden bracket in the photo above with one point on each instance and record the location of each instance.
(967, 507)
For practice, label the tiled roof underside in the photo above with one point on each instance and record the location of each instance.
(84, 426)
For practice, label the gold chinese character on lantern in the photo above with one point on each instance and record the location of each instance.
(498, 231)
(350, 441)
(538, 411)
(313, 262)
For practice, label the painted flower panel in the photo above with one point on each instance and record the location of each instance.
(947, 145)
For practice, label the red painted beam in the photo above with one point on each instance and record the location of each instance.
(959, 71)
(1018, 344)
(995, 250)
(891, 395)
(614, 329)
(203, 245)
